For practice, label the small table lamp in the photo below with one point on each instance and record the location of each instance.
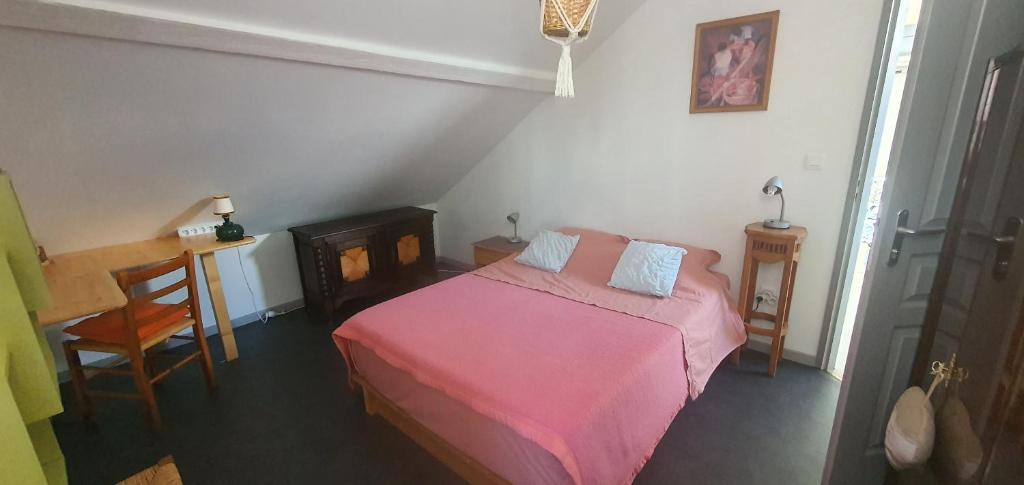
(771, 187)
(514, 219)
(229, 231)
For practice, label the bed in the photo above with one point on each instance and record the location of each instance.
(513, 375)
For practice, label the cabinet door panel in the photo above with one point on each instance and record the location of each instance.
(411, 245)
(355, 260)
(355, 263)
(408, 248)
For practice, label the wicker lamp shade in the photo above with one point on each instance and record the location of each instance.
(574, 10)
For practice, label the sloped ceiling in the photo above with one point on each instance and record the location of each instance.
(502, 32)
(113, 136)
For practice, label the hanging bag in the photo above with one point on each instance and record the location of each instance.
(958, 449)
(910, 434)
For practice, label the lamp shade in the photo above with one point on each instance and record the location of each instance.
(222, 205)
(772, 186)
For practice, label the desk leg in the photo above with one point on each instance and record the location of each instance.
(220, 307)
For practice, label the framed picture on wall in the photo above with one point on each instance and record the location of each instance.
(732, 64)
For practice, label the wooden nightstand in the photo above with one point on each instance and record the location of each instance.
(495, 248)
(766, 245)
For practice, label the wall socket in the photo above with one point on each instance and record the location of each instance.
(197, 229)
(768, 296)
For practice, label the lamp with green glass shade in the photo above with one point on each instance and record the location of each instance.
(229, 231)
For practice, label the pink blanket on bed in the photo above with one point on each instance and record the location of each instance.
(596, 387)
(699, 308)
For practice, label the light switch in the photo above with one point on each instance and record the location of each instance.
(814, 161)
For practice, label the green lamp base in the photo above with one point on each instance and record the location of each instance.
(229, 231)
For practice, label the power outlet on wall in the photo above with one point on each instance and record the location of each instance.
(197, 229)
(768, 296)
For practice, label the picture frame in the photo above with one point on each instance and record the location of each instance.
(732, 63)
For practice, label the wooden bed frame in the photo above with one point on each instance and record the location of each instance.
(462, 464)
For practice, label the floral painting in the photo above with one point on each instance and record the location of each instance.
(732, 64)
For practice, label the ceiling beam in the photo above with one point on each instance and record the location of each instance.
(93, 18)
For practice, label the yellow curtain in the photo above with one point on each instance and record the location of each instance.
(29, 396)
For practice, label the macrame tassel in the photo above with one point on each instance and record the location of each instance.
(563, 81)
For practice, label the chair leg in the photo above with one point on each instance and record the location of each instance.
(145, 387)
(85, 406)
(205, 360)
(773, 359)
(736, 355)
(149, 363)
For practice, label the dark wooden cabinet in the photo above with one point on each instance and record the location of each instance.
(363, 256)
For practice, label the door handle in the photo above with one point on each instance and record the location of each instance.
(903, 232)
(1005, 245)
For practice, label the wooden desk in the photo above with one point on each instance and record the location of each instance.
(82, 283)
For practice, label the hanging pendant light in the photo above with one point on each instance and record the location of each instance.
(566, 22)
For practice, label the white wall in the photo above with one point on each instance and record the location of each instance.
(110, 142)
(271, 271)
(120, 118)
(626, 155)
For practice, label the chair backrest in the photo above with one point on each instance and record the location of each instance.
(127, 280)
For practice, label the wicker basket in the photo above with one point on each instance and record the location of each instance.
(574, 10)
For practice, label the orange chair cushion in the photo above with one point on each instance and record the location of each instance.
(109, 327)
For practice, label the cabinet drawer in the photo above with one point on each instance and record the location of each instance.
(483, 257)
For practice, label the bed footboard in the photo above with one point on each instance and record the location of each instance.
(462, 464)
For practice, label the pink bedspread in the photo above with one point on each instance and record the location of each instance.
(595, 386)
(699, 308)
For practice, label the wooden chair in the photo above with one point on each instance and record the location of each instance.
(134, 330)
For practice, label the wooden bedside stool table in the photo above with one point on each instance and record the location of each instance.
(495, 248)
(766, 245)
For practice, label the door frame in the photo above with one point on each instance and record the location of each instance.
(867, 139)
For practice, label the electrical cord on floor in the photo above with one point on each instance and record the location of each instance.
(758, 299)
(275, 313)
(263, 316)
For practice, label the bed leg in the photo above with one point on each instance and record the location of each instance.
(369, 402)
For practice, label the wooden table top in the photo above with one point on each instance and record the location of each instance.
(794, 232)
(81, 283)
(501, 244)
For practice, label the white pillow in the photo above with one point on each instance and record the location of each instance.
(648, 268)
(549, 251)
